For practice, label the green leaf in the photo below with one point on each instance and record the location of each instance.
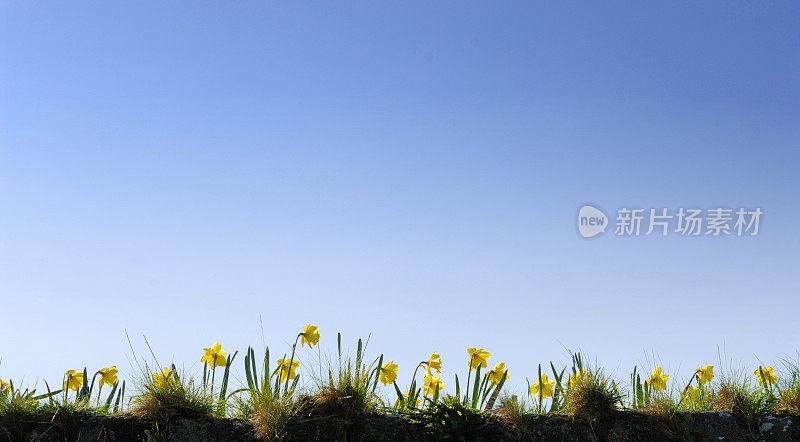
(639, 392)
(541, 387)
(248, 375)
(120, 398)
(397, 390)
(47, 395)
(493, 398)
(377, 375)
(267, 373)
(235, 392)
(111, 396)
(358, 356)
(224, 387)
(476, 389)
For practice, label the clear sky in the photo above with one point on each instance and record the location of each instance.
(409, 170)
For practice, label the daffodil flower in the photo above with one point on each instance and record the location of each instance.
(435, 362)
(705, 374)
(310, 336)
(769, 375)
(214, 356)
(495, 375)
(286, 371)
(108, 375)
(478, 357)
(389, 372)
(73, 380)
(162, 376)
(657, 380)
(431, 384)
(575, 378)
(3, 385)
(543, 391)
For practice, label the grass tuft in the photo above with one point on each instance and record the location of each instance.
(517, 414)
(449, 418)
(593, 397)
(349, 390)
(173, 397)
(663, 407)
(347, 393)
(18, 414)
(789, 389)
(268, 414)
(738, 395)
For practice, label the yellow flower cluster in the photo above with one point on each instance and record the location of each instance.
(73, 379)
(432, 384)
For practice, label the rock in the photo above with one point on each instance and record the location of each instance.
(625, 426)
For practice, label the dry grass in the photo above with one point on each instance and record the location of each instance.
(515, 413)
(175, 397)
(593, 397)
(745, 400)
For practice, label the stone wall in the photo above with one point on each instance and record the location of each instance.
(712, 426)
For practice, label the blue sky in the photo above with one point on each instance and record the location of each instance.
(408, 170)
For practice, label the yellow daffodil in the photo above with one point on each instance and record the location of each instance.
(495, 375)
(389, 373)
(73, 380)
(477, 357)
(705, 374)
(575, 378)
(286, 371)
(769, 375)
(3, 385)
(431, 384)
(657, 380)
(108, 375)
(435, 362)
(310, 336)
(546, 390)
(214, 356)
(162, 376)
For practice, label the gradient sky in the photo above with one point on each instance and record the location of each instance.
(406, 170)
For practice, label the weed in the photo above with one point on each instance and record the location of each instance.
(450, 418)
(167, 395)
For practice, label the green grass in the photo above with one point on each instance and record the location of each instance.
(264, 402)
(177, 396)
(451, 419)
(741, 396)
(21, 411)
(593, 397)
(268, 414)
(789, 389)
(349, 388)
(515, 412)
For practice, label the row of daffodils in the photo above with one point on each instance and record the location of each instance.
(432, 385)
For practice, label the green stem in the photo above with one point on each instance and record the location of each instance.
(289, 368)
